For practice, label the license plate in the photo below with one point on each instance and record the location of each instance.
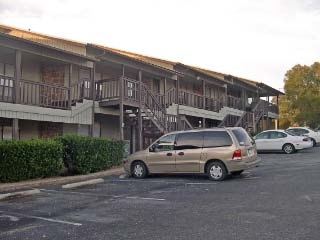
(250, 152)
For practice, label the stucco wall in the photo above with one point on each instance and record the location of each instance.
(109, 126)
(30, 69)
(28, 129)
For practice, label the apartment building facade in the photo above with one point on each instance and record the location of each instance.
(51, 86)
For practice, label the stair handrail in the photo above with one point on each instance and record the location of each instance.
(158, 111)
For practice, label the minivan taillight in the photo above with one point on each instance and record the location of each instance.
(237, 155)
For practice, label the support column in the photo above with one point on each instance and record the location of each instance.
(278, 120)
(17, 77)
(140, 143)
(165, 104)
(204, 102)
(121, 123)
(225, 102)
(92, 97)
(133, 139)
(15, 128)
(177, 99)
(69, 86)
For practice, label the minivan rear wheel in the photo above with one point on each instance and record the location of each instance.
(216, 171)
(139, 170)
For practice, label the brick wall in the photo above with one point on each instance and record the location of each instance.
(53, 74)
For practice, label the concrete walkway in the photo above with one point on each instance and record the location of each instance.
(36, 183)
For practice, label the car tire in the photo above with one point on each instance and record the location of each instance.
(237, 173)
(139, 170)
(288, 148)
(216, 171)
(314, 143)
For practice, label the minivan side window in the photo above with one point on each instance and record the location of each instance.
(189, 140)
(165, 143)
(216, 139)
(242, 136)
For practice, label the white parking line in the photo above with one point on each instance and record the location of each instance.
(81, 193)
(200, 183)
(42, 218)
(140, 198)
(169, 182)
(249, 178)
(102, 195)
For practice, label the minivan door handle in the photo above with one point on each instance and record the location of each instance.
(181, 153)
(169, 154)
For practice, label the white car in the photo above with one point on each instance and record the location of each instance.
(305, 131)
(281, 140)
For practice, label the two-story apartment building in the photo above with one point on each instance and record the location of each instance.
(51, 86)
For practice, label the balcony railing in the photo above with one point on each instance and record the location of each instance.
(56, 96)
(233, 102)
(190, 99)
(107, 89)
(80, 90)
(44, 95)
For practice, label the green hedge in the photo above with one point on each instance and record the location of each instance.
(20, 160)
(86, 154)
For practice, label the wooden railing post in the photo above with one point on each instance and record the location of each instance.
(69, 86)
(140, 112)
(121, 123)
(204, 102)
(17, 77)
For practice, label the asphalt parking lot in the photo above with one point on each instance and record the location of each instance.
(278, 200)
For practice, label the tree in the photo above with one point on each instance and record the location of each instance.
(301, 105)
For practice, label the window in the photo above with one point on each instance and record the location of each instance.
(5, 129)
(303, 131)
(217, 139)
(166, 143)
(264, 135)
(189, 140)
(242, 136)
(6, 81)
(275, 135)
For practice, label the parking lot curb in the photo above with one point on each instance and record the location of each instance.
(19, 194)
(83, 183)
(44, 182)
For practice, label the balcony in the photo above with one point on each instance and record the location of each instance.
(43, 94)
(108, 94)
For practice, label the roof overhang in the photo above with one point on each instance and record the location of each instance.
(44, 50)
(106, 54)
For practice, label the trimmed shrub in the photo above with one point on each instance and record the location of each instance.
(83, 154)
(27, 159)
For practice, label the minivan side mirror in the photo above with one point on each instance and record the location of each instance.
(153, 148)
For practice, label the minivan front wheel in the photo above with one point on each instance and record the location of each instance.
(216, 171)
(139, 170)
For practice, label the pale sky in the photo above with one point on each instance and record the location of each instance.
(255, 39)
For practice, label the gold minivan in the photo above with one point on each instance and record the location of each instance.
(217, 152)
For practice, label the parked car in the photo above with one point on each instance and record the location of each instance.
(216, 152)
(305, 131)
(281, 140)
